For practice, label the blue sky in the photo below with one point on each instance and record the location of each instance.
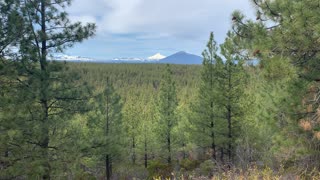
(141, 28)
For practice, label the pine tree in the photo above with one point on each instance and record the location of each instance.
(286, 31)
(205, 109)
(132, 119)
(147, 135)
(231, 84)
(283, 27)
(106, 128)
(47, 95)
(167, 113)
(12, 26)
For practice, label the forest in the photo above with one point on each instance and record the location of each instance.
(250, 111)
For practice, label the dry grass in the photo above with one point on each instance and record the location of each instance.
(305, 125)
(252, 174)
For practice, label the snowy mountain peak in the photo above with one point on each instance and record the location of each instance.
(64, 57)
(157, 56)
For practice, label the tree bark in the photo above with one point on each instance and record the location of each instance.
(169, 148)
(229, 117)
(145, 153)
(108, 167)
(221, 155)
(43, 91)
(133, 150)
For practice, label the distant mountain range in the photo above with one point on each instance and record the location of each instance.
(64, 57)
(177, 58)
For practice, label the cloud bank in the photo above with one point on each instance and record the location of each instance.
(175, 20)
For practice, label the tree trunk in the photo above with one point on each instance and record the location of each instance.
(213, 144)
(221, 155)
(133, 150)
(108, 167)
(229, 134)
(145, 153)
(108, 158)
(43, 91)
(229, 117)
(184, 151)
(169, 148)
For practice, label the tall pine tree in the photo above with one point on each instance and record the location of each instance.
(167, 113)
(232, 80)
(47, 94)
(287, 31)
(106, 128)
(206, 117)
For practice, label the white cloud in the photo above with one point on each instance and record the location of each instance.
(178, 18)
(138, 28)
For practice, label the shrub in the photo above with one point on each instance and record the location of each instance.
(188, 164)
(159, 169)
(207, 168)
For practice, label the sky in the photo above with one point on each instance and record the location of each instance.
(142, 28)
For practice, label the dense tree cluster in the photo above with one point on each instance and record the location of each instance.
(255, 100)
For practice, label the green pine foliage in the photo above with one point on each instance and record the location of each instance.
(105, 134)
(46, 93)
(167, 105)
(232, 82)
(205, 120)
(218, 111)
(284, 38)
(252, 104)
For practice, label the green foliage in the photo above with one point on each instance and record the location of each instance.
(218, 108)
(12, 26)
(158, 169)
(105, 121)
(52, 125)
(284, 40)
(189, 165)
(106, 128)
(207, 167)
(167, 113)
(43, 94)
(205, 108)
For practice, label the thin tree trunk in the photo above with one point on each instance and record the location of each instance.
(229, 118)
(108, 158)
(229, 135)
(133, 150)
(43, 91)
(108, 167)
(169, 148)
(213, 144)
(184, 151)
(145, 153)
(221, 155)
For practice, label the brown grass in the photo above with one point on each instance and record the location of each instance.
(252, 173)
(305, 125)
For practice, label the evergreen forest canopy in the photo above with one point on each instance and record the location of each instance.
(224, 119)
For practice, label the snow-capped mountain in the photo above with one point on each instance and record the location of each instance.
(177, 58)
(127, 59)
(157, 56)
(64, 57)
